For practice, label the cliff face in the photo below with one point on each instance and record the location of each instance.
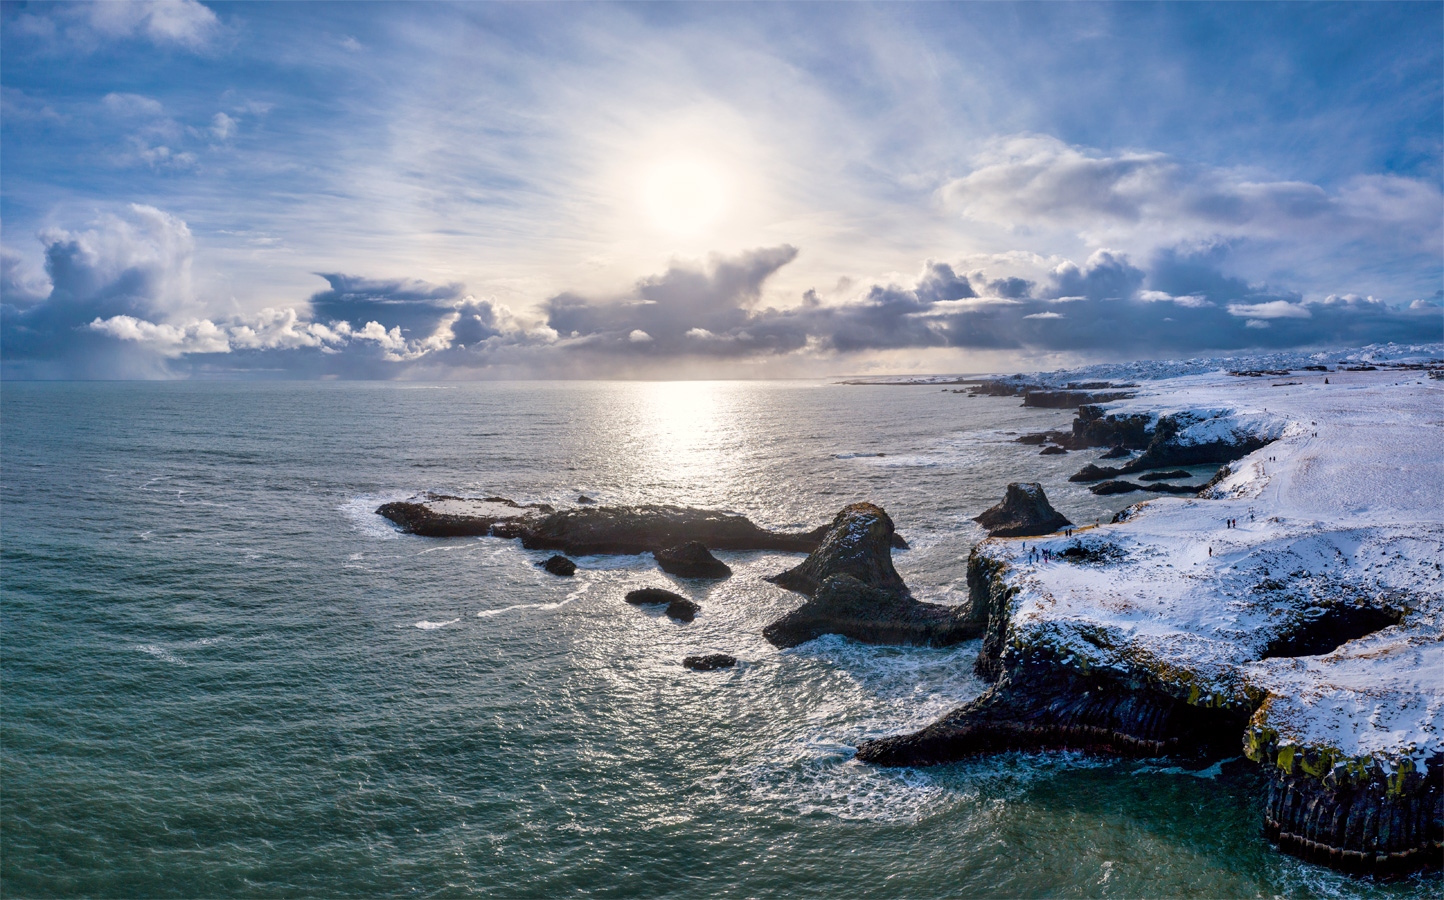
(1308, 634)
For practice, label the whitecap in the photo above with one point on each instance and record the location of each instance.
(426, 625)
(161, 653)
(362, 513)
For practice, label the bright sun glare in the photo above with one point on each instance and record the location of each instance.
(684, 197)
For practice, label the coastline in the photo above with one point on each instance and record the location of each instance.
(1311, 631)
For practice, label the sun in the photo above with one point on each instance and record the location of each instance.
(685, 197)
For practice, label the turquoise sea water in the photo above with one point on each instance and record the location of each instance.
(225, 676)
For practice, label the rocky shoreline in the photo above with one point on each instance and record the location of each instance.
(1292, 643)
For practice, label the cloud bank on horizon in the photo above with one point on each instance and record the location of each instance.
(493, 190)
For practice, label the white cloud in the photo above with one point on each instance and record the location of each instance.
(184, 22)
(638, 336)
(1273, 309)
(223, 127)
(132, 105)
(1045, 315)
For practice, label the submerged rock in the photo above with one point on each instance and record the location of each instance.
(843, 605)
(584, 499)
(1104, 488)
(678, 607)
(691, 560)
(709, 663)
(1116, 453)
(559, 565)
(1091, 472)
(1052, 451)
(858, 543)
(1024, 512)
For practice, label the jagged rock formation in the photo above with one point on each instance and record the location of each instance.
(559, 565)
(599, 529)
(843, 605)
(858, 543)
(1122, 487)
(1052, 451)
(710, 662)
(1116, 453)
(1160, 476)
(678, 607)
(691, 560)
(1025, 511)
(442, 515)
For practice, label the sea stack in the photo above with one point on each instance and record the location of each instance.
(1024, 512)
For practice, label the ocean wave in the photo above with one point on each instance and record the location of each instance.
(426, 625)
(361, 511)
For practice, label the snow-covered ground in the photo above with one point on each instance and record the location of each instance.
(1346, 507)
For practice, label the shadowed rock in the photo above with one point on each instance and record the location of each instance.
(1091, 472)
(858, 543)
(559, 565)
(1052, 451)
(691, 560)
(709, 663)
(1116, 453)
(843, 605)
(1024, 512)
(678, 607)
(1161, 476)
(590, 530)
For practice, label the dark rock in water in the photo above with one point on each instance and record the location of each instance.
(642, 529)
(843, 605)
(1116, 453)
(442, 515)
(1104, 488)
(1066, 399)
(691, 560)
(559, 565)
(1091, 472)
(1024, 512)
(1160, 476)
(595, 529)
(1032, 440)
(583, 498)
(678, 607)
(1041, 706)
(858, 543)
(1052, 451)
(710, 662)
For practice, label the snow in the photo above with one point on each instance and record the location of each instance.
(1347, 505)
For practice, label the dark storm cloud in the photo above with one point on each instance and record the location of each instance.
(415, 307)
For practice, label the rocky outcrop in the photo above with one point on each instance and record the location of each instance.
(691, 560)
(1117, 453)
(1123, 487)
(1024, 512)
(843, 605)
(858, 543)
(1052, 451)
(678, 607)
(1161, 476)
(559, 565)
(710, 662)
(595, 529)
(1091, 472)
(442, 515)
(1065, 399)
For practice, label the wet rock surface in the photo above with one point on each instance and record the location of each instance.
(559, 565)
(691, 560)
(590, 530)
(1024, 512)
(845, 606)
(1162, 476)
(678, 607)
(710, 662)
(858, 543)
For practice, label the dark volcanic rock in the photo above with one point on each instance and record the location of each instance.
(1104, 488)
(1116, 453)
(691, 560)
(1052, 451)
(583, 498)
(858, 543)
(678, 607)
(843, 605)
(1050, 399)
(442, 515)
(1091, 472)
(710, 662)
(1160, 476)
(559, 565)
(1024, 512)
(642, 529)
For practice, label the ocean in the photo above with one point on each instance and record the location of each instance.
(225, 676)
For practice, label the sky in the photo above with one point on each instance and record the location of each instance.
(478, 190)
